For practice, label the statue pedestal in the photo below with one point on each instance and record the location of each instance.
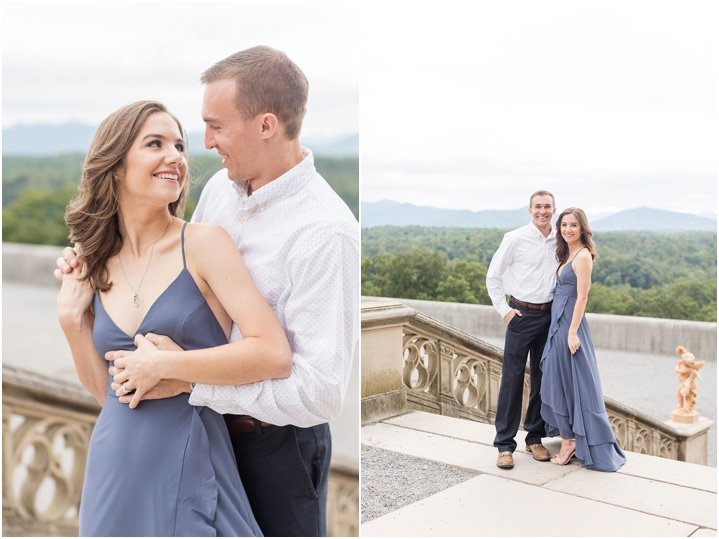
(682, 416)
(694, 447)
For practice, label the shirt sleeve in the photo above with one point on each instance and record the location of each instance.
(321, 318)
(501, 260)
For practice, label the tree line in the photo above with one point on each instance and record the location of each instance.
(36, 191)
(636, 274)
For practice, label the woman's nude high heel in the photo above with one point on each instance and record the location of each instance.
(564, 462)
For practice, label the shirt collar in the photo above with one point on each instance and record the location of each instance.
(538, 233)
(283, 186)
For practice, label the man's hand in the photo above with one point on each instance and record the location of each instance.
(140, 375)
(163, 342)
(511, 314)
(67, 262)
(138, 369)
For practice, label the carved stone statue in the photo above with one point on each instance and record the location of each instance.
(687, 369)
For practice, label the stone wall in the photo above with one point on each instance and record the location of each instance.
(30, 264)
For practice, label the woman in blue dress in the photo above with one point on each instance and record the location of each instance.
(572, 398)
(163, 467)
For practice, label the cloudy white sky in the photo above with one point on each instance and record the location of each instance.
(464, 104)
(610, 104)
(79, 61)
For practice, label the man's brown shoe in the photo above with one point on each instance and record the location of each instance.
(505, 460)
(539, 452)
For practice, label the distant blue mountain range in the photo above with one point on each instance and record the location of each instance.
(654, 219)
(389, 212)
(40, 140)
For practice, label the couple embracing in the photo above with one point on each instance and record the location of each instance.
(547, 277)
(229, 339)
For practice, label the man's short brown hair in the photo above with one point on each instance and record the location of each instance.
(267, 81)
(542, 193)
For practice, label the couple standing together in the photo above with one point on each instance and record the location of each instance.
(547, 277)
(250, 311)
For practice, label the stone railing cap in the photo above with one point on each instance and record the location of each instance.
(45, 388)
(389, 312)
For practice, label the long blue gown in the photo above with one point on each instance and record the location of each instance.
(572, 398)
(165, 468)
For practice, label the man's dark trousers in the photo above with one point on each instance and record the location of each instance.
(285, 472)
(525, 334)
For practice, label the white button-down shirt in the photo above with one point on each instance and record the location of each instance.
(524, 267)
(300, 242)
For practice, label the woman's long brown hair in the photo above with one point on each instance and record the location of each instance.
(92, 216)
(586, 237)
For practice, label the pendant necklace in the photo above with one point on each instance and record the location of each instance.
(136, 291)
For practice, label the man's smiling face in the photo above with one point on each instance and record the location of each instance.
(542, 209)
(236, 138)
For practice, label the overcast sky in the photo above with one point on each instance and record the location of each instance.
(610, 104)
(79, 61)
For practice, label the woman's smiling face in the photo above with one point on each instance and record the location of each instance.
(155, 166)
(571, 229)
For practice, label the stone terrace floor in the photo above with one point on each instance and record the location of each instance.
(429, 475)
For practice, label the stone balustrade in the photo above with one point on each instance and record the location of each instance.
(46, 430)
(413, 361)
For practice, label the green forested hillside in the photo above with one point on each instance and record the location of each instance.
(658, 275)
(21, 174)
(37, 189)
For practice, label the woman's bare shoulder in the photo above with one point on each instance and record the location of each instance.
(583, 259)
(204, 241)
(200, 233)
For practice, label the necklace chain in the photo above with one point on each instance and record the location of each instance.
(136, 291)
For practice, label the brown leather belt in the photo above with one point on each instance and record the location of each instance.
(536, 306)
(244, 423)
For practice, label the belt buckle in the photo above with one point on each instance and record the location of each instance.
(240, 424)
(245, 423)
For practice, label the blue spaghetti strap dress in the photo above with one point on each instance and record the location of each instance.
(165, 468)
(572, 398)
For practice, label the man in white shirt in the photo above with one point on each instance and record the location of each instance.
(524, 268)
(300, 242)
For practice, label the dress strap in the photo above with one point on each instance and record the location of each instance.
(182, 244)
(575, 254)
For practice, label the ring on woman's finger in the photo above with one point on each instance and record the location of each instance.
(124, 389)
